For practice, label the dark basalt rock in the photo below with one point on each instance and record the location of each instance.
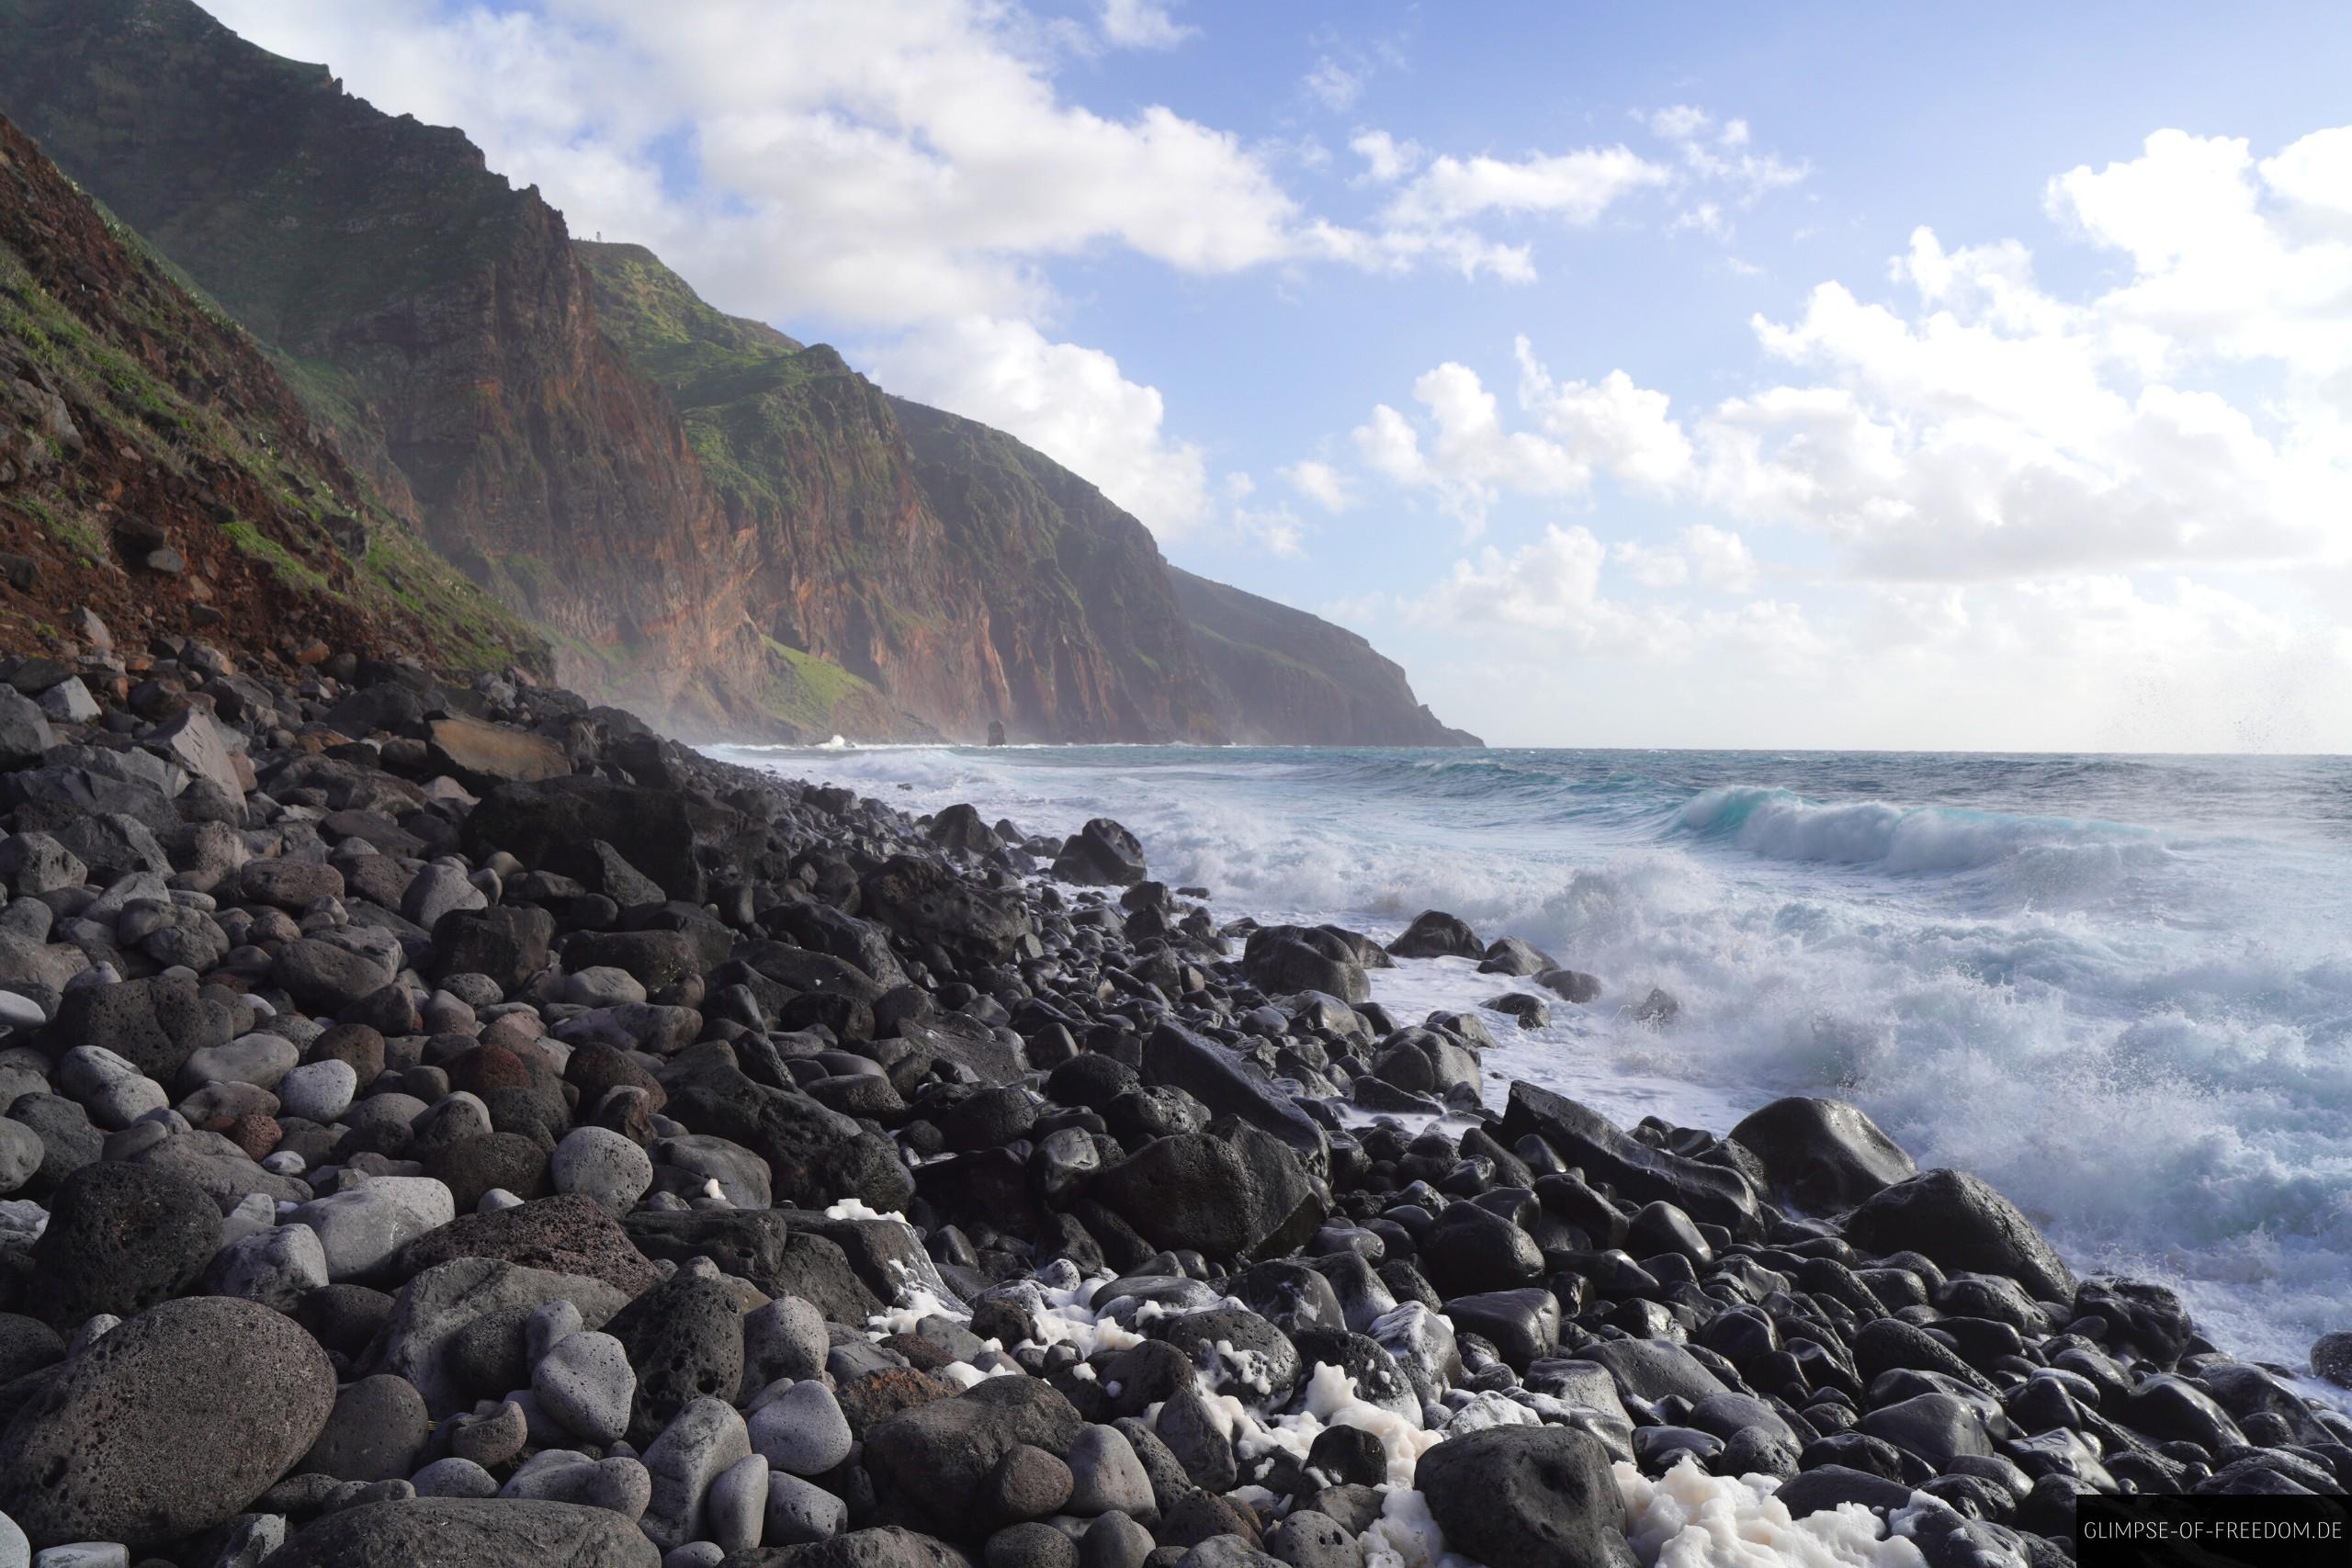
(1245, 1195)
(1102, 854)
(931, 1464)
(1706, 1193)
(563, 1235)
(1962, 1223)
(126, 1443)
(1526, 1497)
(1822, 1155)
(1436, 934)
(1231, 1085)
(512, 1533)
(121, 1239)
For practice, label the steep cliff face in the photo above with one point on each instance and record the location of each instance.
(730, 530)
(970, 577)
(1285, 677)
(433, 315)
(847, 562)
(156, 470)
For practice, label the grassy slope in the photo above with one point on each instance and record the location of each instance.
(180, 414)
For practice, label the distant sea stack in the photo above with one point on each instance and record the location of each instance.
(702, 516)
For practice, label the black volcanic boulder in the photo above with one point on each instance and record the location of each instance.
(1229, 1084)
(2147, 1317)
(932, 1465)
(1509, 956)
(1709, 1193)
(168, 1424)
(959, 827)
(508, 943)
(511, 1532)
(1822, 1155)
(120, 1239)
(684, 1340)
(1280, 960)
(1436, 934)
(1960, 1223)
(655, 830)
(750, 1244)
(925, 900)
(1526, 1497)
(820, 928)
(154, 1025)
(815, 1157)
(1570, 985)
(1233, 1191)
(1101, 854)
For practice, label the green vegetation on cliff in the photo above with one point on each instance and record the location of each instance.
(133, 412)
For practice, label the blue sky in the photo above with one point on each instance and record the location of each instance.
(1892, 376)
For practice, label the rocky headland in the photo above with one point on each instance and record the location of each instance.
(446, 1122)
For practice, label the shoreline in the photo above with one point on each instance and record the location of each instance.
(615, 1058)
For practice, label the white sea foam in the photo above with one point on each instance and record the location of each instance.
(2121, 990)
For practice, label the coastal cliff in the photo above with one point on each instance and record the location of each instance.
(159, 479)
(705, 518)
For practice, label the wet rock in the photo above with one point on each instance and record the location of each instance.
(1709, 1193)
(931, 1464)
(1221, 1197)
(1822, 1155)
(1525, 1497)
(1962, 1223)
(1102, 854)
(1436, 934)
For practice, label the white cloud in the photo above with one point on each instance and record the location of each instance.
(1071, 403)
(1575, 187)
(901, 160)
(2114, 514)
(1141, 24)
(1333, 84)
(1722, 152)
(1386, 160)
(1578, 429)
(1548, 596)
(1704, 556)
(1321, 483)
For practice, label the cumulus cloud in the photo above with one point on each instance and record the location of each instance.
(1071, 403)
(1702, 556)
(1141, 24)
(1575, 429)
(1976, 426)
(2124, 501)
(1321, 483)
(901, 160)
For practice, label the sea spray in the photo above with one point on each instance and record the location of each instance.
(2120, 988)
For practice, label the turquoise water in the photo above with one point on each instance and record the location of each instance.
(2118, 987)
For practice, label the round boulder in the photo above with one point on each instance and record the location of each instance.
(1824, 1154)
(1961, 1224)
(170, 1424)
(1525, 1497)
(511, 1532)
(120, 1238)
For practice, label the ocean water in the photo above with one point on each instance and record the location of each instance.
(2120, 988)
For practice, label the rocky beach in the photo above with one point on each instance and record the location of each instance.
(446, 1122)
